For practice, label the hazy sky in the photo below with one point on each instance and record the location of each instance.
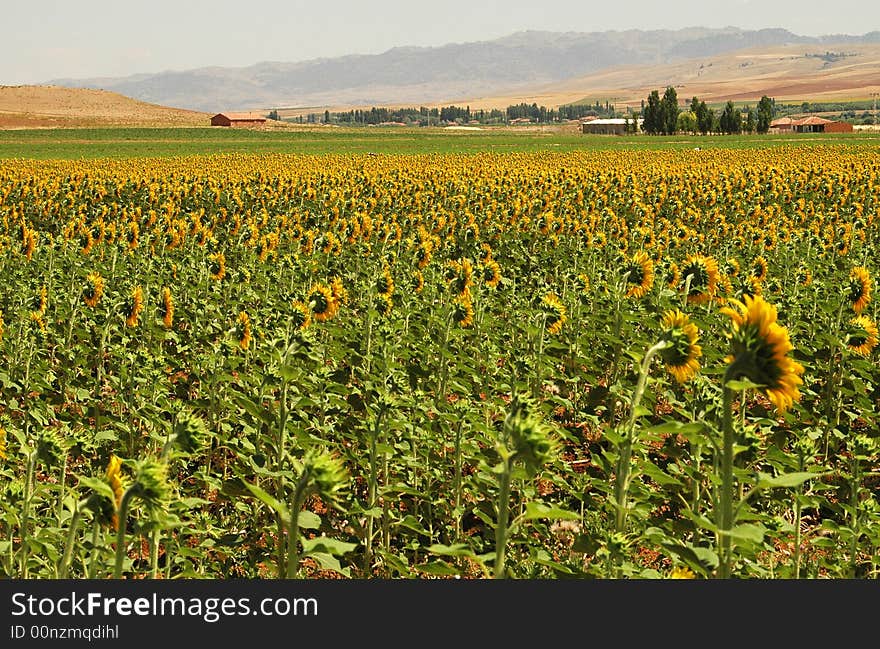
(50, 39)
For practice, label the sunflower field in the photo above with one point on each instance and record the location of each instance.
(540, 365)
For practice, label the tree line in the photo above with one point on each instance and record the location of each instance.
(663, 116)
(424, 116)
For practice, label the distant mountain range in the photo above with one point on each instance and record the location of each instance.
(423, 75)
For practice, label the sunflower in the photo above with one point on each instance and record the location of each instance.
(243, 330)
(39, 321)
(673, 275)
(859, 288)
(114, 479)
(582, 282)
(134, 306)
(804, 276)
(301, 316)
(759, 348)
(639, 271)
(340, 295)
(94, 289)
(218, 266)
(458, 274)
(759, 268)
(166, 308)
(682, 351)
(322, 302)
(418, 281)
(703, 273)
(3, 455)
(731, 267)
(385, 283)
(863, 336)
(133, 235)
(41, 300)
(554, 312)
(463, 312)
(384, 304)
(682, 572)
(29, 243)
(491, 273)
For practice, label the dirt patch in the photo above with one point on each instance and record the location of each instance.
(56, 107)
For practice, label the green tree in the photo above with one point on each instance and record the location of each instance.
(750, 124)
(669, 111)
(653, 115)
(765, 114)
(731, 119)
(687, 122)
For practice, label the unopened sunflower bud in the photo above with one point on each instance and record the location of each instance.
(151, 483)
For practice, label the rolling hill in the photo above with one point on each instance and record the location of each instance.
(54, 107)
(513, 65)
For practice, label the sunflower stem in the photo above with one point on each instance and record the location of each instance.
(120, 532)
(624, 459)
(726, 523)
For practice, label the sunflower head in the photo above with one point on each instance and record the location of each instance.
(859, 288)
(113, 477)
(166, 308)
(554, 312)
(322, 302)
(327, 475)
(759, 268)
(93, 289)
(385, 283)
(731, 267)
(491, 273)
(700, 274)
(672, 276)
(300, 316)
(418, 281)
(463, 311)
(682, 351)
(639, 273)
(862, 335)
(804, 276)
(217, 266)
(133, 307)
(531, 439)
(384, 304)
(459, 275)
(340, 294)
(682, 572)
(243, 330)
(151, 483)
(759, 348)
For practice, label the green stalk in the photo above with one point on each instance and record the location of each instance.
(120, 532)
(154, 554)
(854, 515)
(726, 523)
(624, 459)
(797, 520)
(299, 497)
(503, 518)
(68, 544)
(26, 513)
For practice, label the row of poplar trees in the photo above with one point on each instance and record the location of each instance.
(662, 116)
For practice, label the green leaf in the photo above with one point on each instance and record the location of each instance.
(268, 499)
(98, 485)
(329, 562)
(325, 544)
(786, 479)
(457, 550)
(748, 532)
(308, 520)
(742, 384)
(439, 568)
(537, 510)
(677, 427)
